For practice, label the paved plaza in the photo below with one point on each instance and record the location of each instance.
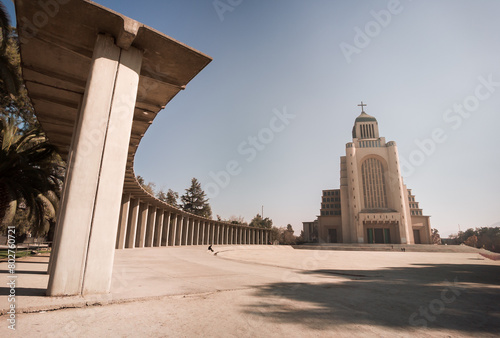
(259, 291)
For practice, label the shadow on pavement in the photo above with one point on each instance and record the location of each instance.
(447, 297)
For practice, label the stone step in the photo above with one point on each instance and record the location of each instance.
(389, 247)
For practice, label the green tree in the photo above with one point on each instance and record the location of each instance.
(161, 195)
(260, 222)
(237, 220)
(14, 100)
(9, 75)
(149, 187)
(301, 238)
(283, 236)
(172, 198)
(31, 176)
(31, 173)
(471, 241)
(436, 238)
(486, 237)
(195, 201)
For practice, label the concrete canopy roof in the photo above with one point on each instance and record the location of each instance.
(57, 41)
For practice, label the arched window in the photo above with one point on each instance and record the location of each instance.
(374, 190)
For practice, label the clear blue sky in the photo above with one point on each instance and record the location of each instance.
(411, 70)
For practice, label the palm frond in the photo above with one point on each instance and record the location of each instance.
(31, 177)
(4, 26)
(8, 75)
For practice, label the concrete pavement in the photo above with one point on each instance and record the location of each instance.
(269, 291)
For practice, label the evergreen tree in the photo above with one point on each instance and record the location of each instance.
(172, 198)
(195, 201)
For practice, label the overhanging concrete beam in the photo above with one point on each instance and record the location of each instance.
(97, 79)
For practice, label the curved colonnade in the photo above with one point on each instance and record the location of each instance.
(146, 221)
(97, 79)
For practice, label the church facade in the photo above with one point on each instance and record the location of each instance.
(373, 205)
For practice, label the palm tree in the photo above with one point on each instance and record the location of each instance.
(8, 73)
(31, 175)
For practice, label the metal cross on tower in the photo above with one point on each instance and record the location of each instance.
(362, 105)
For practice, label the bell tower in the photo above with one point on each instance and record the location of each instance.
(365, 126)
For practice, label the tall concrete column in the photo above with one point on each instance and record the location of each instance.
(209, 233)
(160, 216)
(122, 227)
(267, 238)
(132, 223)
(185, 233)
(140, 239)
(178, 227)
(186, 227)
(191, 231)
(202, 233)
(173, 225)
(150, 227)
(173, 229)
(196, 232)
(83, 252)
(166, 229)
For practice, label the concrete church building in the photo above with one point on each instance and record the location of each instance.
(373, 205)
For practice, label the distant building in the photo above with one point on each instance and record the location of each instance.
(373, 204)
(310, 231)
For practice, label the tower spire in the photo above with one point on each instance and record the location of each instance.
(362, 105)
